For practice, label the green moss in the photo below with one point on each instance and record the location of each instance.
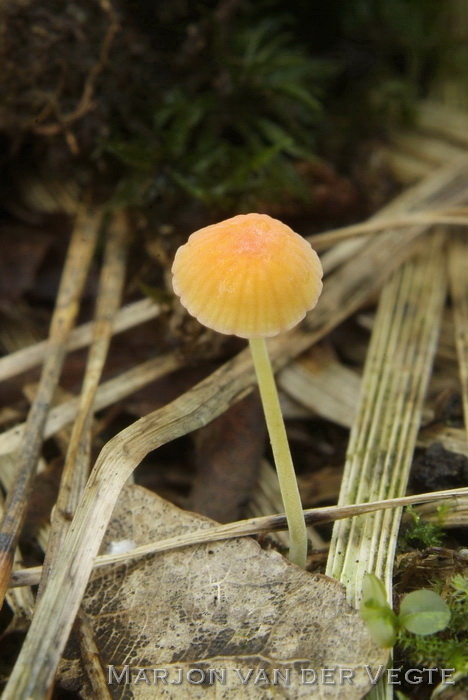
(210, 105)
(420, 533)
(232, 131)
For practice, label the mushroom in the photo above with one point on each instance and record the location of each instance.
(252, 276)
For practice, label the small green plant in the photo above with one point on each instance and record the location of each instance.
(377, 613)
(449, 650)
(422, 612)
(424, 533)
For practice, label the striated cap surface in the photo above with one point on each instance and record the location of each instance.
(249, 276)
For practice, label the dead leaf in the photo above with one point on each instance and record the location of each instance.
(228, 454)
(226, 608)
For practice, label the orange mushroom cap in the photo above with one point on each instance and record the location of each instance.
(250, 276)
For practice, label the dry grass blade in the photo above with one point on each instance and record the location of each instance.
(437, 138)
(56, 610)
(451, 439)
(21, 602)
(90, 656)
(383, 437)
(107, 394)
(79, 256)
(384, 434)
(443, 120)
(458, 272)
(76, 468)
(324, 385)
(128, 317)
(328, 388)
(456, 515)
(406, 169)
(445, 188)
(423, 148)
(450, 217)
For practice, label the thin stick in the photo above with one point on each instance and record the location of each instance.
(128, 317)
(74, 275)
(252, 526)
(281, 452)
(76, 468)
(108, 393)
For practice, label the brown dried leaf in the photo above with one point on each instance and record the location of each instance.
(228, 454)
(227, 605)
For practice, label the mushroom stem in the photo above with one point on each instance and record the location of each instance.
(281, 452)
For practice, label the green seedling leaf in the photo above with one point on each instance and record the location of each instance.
(382, 626)
(376, 612)
(424, 612)
(374, 594)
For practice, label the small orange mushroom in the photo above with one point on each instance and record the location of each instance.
(254, 277)
(250, 276)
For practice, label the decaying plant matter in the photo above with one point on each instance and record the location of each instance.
(127, 126)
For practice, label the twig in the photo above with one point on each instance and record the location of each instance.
(252, 526)
(79, 257)
(128, 317)
(107, 394)
(76, 468)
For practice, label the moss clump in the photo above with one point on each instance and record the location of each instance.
(420, 533)
(214, 104)
(233, 125)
